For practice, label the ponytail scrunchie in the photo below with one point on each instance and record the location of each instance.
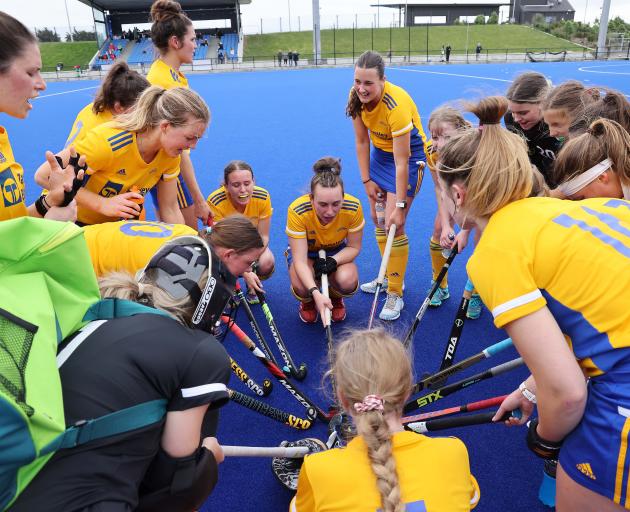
(370, 403)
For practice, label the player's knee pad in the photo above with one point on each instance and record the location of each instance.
(178, 484)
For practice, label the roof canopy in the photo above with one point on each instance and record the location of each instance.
(139, 5)
(445, 3)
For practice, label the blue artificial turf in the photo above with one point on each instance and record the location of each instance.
(281, 122)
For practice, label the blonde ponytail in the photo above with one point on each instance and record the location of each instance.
(177, 106)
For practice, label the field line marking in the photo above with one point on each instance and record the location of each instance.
(450, 74)
(65, 92)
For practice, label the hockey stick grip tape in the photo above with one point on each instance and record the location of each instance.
(292, 452)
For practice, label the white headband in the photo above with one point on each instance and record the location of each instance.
(568, 188)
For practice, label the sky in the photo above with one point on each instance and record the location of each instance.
(41, 13)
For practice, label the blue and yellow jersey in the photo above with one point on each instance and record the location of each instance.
(302, 222)
(258, 208)
(128, 245)
(434, 474)
(395, 115)
(432, 155)
(165, 76)
(573, 257)
(11, 181)
(115, 165)
(85, 121)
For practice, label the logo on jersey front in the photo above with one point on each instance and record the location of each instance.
(11, 190)
(110, 189)
(147, 229)
(122, 172)
(2, 158)
(174, 75)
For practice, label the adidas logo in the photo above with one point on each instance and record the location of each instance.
(2, 158)
(122, 172)
(585, 468)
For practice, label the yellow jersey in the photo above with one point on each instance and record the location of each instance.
(395, 115)
(128, 245)
(432, 155)
(302, 222)
(573, 257)
(11, 181)
(115, 165)
(258, 208)
(434, 475)
(85, 121)
(165, 76)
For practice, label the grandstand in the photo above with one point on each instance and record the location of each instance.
(116, 22)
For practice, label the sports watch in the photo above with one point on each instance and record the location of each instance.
(402, 204)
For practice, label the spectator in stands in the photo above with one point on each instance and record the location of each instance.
(279, 55)
(285, 57)
(173, 35)
(290, 56)
(477, 51)
(221, 56)
(20, 83)
(232, 54)
(296, 56)
(447, 50)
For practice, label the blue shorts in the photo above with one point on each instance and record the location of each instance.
(595, 455)
(184, 199)
(383, 170)
(313, 255)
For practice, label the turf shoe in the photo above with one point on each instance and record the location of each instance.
(307, 312)
(440, 295)
(474, 307)
(338, 310)
(371, 286)
(392, 308)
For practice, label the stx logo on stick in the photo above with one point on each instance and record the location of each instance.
(430, 398)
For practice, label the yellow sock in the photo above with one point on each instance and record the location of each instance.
(397, 265)
(437, 261)
(381, 239)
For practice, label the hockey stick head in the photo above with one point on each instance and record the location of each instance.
(287, 470)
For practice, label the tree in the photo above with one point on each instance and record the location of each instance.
(493, 19)
(457, 21)
(81, 35)
(480, 20)
(45, 35)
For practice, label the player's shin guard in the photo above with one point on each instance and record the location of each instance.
(397, 265)
(381, 239)
(437, 260)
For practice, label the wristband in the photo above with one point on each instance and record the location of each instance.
(542, 447)
(369, 179)
(41, 205)
(312, 290)
(529, 396)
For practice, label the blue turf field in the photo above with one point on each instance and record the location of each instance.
(281, 122)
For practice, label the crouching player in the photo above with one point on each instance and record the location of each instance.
(328, 219)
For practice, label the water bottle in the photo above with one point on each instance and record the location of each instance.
(447, 252)
(379, 207)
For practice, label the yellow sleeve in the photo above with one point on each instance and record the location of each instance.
(172, 169)
(214, 200)
(77, 127)
(266, 210)
(97, 151)
(295, 226)
(357, 220)
(503, 277)
(400, 120)
(303, 501)
(475, 494)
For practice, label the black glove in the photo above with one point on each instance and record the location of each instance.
(542, 447)
(76, 182)
(324, 266)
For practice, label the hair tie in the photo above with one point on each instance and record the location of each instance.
(370, 403)
(570, 187)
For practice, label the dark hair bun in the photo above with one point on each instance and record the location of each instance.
(162, 10)
(328, 164)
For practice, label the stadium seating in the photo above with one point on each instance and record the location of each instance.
(201, 51)
(142, 52)
(118, 43)
(230, 41)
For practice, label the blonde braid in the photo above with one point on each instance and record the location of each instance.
(373, 428)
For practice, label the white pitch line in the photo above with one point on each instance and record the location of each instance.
(65, 92)
(450, 74)
(591, 69)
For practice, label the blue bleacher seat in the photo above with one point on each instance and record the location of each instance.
(230, 41)
(104, 50)
(143, 51)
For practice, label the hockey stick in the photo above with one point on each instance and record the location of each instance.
(242, 301)
(263, 390)
(422, 427)
(456, 330)
(286, 452)
(449, 389)
(312, 410)
(431, 380)
(296, 373)
(473, 406)
(327, 322)
(270, 411)
(381, 272)
(423, 308)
